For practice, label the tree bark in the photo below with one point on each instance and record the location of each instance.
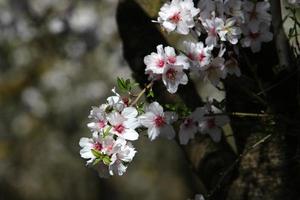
(271, 170)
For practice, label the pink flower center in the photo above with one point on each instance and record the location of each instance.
(171, 74)
(176, 18)
(161, 63)
(172, 59)
(101, 123)
(119, 128)
(213, 31)
(211, 123)
(201, 57)
(125, 101)
(254, 35)
(159, 121)
(97, 146)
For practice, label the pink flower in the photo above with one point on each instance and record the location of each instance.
(198, 54)
(156, 62)
(213, 72)
(255, 36)
(173, 76)
(178, 15)
(213, 26)
(190, 127)
(158, 122)
(123, 124)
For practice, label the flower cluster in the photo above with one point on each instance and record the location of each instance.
(168, 66)
(118, 122)
(224, 23)
(113, 127)
(115, 124)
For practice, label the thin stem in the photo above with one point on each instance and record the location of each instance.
(141, 94)
(240, 114)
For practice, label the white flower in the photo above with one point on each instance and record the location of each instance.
(97, 143)
(173, 59)
(158, 122)
(230, 32)
(123, 124)
(116, 102)
(206, 9)
(234, 8)
(189, 127)
(212, 125)
(213, 26)
(257, 13)
(198, 54)
(156, 62)
(178, 16)
(294, 2)
(254, 37)
(99, 118)
(213, 72)
(123, 151)
(174, 75)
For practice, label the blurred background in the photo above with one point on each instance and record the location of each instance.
(57, 59)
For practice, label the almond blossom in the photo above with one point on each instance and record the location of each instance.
(230, 32)
(212, 125)
(96, 143)
(213, 72)
(253, 37)
(114, 154)
(257, 13)
(155, 62)
(213, 26)
(173, 76)
(98, 115)
(123, 124)
(178, 15)
(190, 127)
(206, 9)
(198, 54)
(233, 8)
(158, 122)
(122, 152)
(174, 59)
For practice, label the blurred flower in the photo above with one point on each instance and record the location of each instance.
(83, 19)
(190, 126)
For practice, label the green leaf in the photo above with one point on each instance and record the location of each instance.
(121, 84)
(150, 93)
